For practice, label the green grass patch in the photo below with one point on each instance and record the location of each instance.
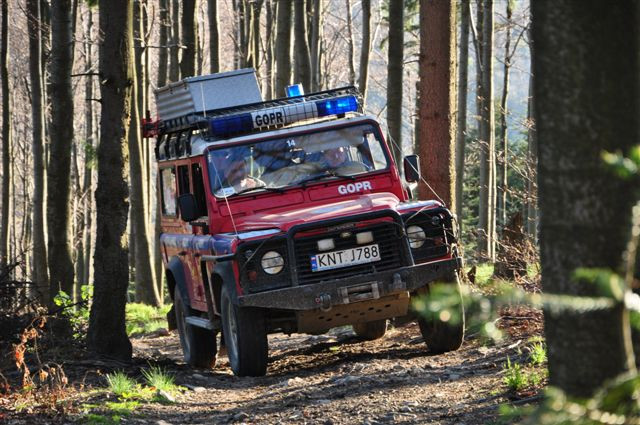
(120, 384)
(538, 354)
(122, 408)
(515, 378)
(142, 318)
(95, 419)
(160, 379)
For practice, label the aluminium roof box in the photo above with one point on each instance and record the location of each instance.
(196, 95)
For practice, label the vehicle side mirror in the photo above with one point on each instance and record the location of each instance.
(411, 168)
(188, 207)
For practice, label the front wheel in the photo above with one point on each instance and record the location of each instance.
(198, 344)
(442, 336)
(371, 330)
(245, 334)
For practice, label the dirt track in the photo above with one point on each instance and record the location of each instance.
(337, 379)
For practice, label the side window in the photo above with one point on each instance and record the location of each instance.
(198, 189)
(168, 183)
(376, 152)
(183, 179)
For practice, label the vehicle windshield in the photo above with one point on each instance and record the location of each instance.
(297, 160)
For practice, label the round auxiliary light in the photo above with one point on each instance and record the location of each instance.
(435, 220)
(416, 236)
(272, 262)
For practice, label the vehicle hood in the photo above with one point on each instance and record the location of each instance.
(285, 218)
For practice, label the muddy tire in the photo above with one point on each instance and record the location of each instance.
(245, 335)
(198, 344)
(371, 330)
(440, 336)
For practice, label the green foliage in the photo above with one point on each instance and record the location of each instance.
(160, 379)
(95, 419)
(538, 354)
(624, 167)
(143, 319)
(120, 384)
(514, 377)
(77, 313)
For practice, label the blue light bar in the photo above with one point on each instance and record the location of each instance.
(274, 117)
(295, 90)
(337, 106)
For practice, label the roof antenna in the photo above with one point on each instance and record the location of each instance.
(204, 109)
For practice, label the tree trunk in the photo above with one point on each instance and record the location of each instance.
(268, 88)
(532, 160)
(174, 51)
(504, 139)
(6, 136)
(61, 273)
(254, 36)
(107, 333)
(463, 76)
(90, 146)
(486, 213)
(585, 217)
(163, 53)
(365, 49)
(188, 63)
(146, 291)
(314, 45)
(302, 65)
(350, 48)
(394, 77)
(214, 39)
(40, 277)
(437, 100)
(283, 48)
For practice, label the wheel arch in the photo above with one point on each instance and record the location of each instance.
(176, 278)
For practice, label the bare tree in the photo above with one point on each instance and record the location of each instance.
(107, 333)
(61, 273)
(365, 49)
(350, 48)
(315, 36)
(585, 211)
(463, 77)
(214, 39)
(188, 62)
(163, 52)
(6, 135)
(40, 276)
(394, 76)
(302, 65)
(268, 47)
(283, 47)
(174, 51)
(504, 139)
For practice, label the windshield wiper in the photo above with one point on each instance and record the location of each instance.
(268, 189)
(326, 173)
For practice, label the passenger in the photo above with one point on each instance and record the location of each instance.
(337, 159)
(233, 174)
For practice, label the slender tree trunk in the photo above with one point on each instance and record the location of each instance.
(107, 333)
(283, 48)
(6, 136)
(504, 137)
(302, 64)
(463, 76)
(188, 63)
(255, 8)
(394, 77)
(437, 100)
(174, 51)
(40, 276)
(532, 141)
(61, 273)
(268, 90)
(214, 39)
(314, 45)
(585, 210)
(163, 53)
(146, 291)
(90, 145)
(365, 49)
(350, 48)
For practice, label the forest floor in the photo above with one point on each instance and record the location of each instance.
(327, 379)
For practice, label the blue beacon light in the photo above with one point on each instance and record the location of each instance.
(295, 90)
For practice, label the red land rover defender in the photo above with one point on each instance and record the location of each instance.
(288, 216)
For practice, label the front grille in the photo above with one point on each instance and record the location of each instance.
(386, 234)
(439, 237)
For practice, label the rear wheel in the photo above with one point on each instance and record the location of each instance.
(443, 336)
(245, 335)
(198, 344)
(371, 330)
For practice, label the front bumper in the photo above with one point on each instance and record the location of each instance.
(324, 295)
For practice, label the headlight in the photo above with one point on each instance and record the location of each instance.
(416, 236)
(272, 262)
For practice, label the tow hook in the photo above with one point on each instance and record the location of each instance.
(324, 300)
(398, 284)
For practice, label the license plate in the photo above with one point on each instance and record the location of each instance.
(345, 258)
